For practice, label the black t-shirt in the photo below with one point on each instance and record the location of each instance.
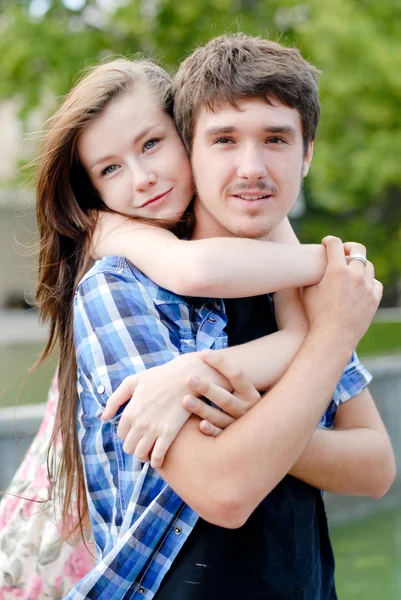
(283, 551)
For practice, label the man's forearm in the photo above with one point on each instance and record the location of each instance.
(352, 461)
(225, 478)
(239, 468)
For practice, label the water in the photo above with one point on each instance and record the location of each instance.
(368, 557)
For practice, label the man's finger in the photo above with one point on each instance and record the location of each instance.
(236, 376)
(120, 396)
(370, 270)
(356, 264)
(335, 250)
(378, 289)
(209, 429)
(204, 411)
(348, 246)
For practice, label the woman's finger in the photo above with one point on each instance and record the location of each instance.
(204, 411)
(160, 449)
(132, 439)
(127, 425)
(120, 396)
(143, 448)
(209, 429)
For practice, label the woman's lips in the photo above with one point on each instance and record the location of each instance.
(157, 199)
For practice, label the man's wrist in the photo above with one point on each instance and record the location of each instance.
(330, 343)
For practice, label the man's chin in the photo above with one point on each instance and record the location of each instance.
(254, 231)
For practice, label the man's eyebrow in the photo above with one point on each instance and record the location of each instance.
(143, 132)
(284, 129)
(289, 130)
(223, 130)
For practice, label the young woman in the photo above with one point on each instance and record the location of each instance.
(112, 146)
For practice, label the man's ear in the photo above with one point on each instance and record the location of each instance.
(307, 159)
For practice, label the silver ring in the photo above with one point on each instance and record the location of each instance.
(360, 257)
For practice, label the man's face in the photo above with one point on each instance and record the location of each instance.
(248, 166)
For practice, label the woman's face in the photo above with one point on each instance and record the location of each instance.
(135, 159)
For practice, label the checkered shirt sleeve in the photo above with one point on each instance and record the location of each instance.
(120, 329)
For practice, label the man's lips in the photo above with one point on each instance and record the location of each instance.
(155, 199)
(252, 197)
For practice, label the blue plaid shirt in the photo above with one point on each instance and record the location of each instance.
(124, 323)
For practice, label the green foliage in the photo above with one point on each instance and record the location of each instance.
(354, 186)
(381, 338)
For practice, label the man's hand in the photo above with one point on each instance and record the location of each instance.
(346, 299)
(233, 404)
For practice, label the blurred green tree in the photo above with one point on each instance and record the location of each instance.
(354, 188)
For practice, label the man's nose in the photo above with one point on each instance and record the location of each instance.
(251, 163)
(142, 176)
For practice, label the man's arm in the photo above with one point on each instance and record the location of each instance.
(225, 478)
(355, 458)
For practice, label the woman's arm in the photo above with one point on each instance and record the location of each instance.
(215, 267)
(154, 414)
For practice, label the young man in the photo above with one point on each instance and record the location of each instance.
(248, 111)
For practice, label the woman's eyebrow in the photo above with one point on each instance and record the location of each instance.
(100, 160)
(142, 133)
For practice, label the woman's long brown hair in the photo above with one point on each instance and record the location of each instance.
(65, 201)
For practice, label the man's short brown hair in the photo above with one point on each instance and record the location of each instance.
(238, 66)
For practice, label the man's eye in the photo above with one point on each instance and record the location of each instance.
(150, 144)
(275, 140)
(109, 169)
(223, 140)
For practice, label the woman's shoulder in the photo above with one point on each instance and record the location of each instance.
(113, 265)
(118, 271)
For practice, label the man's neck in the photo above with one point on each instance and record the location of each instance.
(205, 225)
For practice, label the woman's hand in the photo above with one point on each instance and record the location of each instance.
(155, 413)
(233, 404)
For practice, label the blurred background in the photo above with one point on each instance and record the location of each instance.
(353, 190)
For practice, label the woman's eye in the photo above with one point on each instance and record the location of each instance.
(150, 144)
(110, 169)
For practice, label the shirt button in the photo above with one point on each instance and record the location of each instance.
(212, 320)
(178, 530)
(142, 590)
(100, 389)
